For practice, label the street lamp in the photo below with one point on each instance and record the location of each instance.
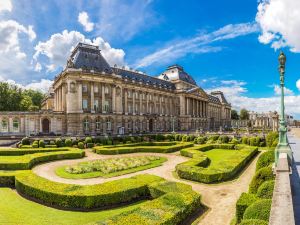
(283, 144)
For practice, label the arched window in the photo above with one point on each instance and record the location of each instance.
(4, 125)
(86, 125)
(16, 125)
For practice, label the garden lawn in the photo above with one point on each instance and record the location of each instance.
(61, 171)
(15, 209)
(218, 156)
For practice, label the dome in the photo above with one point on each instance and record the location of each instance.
(176, 72)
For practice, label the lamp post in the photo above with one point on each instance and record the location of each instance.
(283, 145)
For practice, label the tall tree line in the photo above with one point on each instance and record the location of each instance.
(13, 98)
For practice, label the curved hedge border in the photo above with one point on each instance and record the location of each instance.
(25, 162)
(18, 151)
(160, 147)
(195, 169)
(172, 202)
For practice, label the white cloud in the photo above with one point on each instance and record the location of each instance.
(124, 19)
(83, 19)
(236, 95)
(38, 67)
(43, 85)
(280, 23)
(60, 45)
(6, 5)
(298, 84)
(198, 44)
(287, 91)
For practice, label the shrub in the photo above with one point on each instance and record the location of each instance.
(178, 137)
(265, 159)
(234, 141)
(68, 142)
(259, 210)
(201, 140)
(184, 138)
(271, 137)
(80, 145)
(88, 140)
(109, 142)
(224, 139)
(213, 138)
(52, 143)
(58, 142)
(42, 144)
(275, 142)
(253, 222)
(260, 176)
(35, 144)
(245, 140)
(266, 189)
(242, 204)
(90, 145)
(25, 141)
(254, 141)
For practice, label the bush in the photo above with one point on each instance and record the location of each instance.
(25, 141)
(242, 204)
(90, 145)
(266, 189)
(41, 144)
(184, 138)
(234, 141)
(245, 140)
(259, 210)
(260, 176)
(254, 141)
(254, 222)
(275, 142)
(271, 137)
(68, 142)
(178, 137)
(35, 144)
(224, 139)
(52, 143)
(80, 145)
(58, 142)
(88, 140)
(265, 159)
(201, 140)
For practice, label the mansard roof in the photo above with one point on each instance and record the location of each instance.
(220, 96)
(176, 72)
(144, 78)
(88, 57)
(214, 99)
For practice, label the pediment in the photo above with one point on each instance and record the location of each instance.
(198, 92)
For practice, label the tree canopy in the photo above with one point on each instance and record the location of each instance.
(234, 114)
(244, 114)
(13, 98)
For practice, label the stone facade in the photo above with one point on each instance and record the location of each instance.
(90, 97)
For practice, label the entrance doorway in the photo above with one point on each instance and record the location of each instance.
(151, 125)
(45, 126)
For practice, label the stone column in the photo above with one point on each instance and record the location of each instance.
(103, 98)
(141, 103)
(147, 103)
(187, 106)
(92, 98)
(133, 102)
(126, 102)
(182, 105)
(113, 99)
(160, 108)
(80, 97)
(63, 97)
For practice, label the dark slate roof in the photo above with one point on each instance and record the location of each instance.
(213, 99)
(145, 79)
(176, 72)
(219, 95)
(88, 57)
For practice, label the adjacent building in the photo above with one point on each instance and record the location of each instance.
(91, 97)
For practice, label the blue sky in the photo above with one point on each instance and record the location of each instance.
(229, 45)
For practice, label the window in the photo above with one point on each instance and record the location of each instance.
(86, 125)
(84, 104)
(108, 125)
(15, 125)
(96, 105)
(129, 108)
(136, 95)
(4, 125)
(129, 94)
(98, 125)
(106, 106)
(106, 90)
(150, 97)
(96, 89)
(84, 88)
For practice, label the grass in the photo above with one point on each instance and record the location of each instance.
(218, 156)
(18, 210)
(61, 171)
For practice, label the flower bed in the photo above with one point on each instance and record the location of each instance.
(209, 164)
(145, 147)
(109, 167)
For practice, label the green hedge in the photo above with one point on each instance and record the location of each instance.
(259, 210)
(174, 203)
(195, 169)
(265, 159)
(123, 149)
(266, 189)
(18, 152)
(260, 176)
(254, 222)
(7, 178)
(242, 204)
(25, 162)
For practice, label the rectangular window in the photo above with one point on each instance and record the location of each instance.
(106, 90)
(96, 89)
(84, 88)
(108, 125)
(96, 105)
(129, 94)
(84, 104)
(106, 106)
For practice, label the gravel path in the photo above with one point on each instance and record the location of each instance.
(220, 198)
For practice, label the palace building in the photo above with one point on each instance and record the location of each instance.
(91, 97)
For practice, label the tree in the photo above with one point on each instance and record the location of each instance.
(36, 97)
(234, 114)
(244, 114)
(25, 103)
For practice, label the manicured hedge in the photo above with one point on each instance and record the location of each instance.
(174, 203)
(260, 176)
(265, 159)
(151, 147)
(254, 222)
(259, 210)
(17, 151)
(242, 204)
(195, 169)
(266, 189)
(7, 178)
(25, 162)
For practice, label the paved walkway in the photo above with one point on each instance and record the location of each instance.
(294, 139)
(220, 198)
